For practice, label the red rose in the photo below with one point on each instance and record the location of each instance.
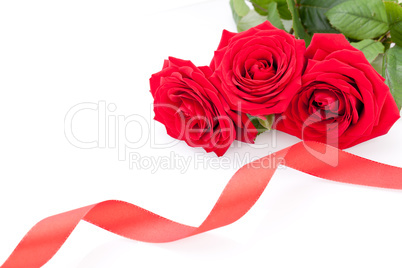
(191, 108)
(259, 69)
(343, 101)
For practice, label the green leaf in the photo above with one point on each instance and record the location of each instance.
(297, 25)
(256, 121)
(236, 16)
(240, 7)
(273, 16)
(284, 9)
(267, 122)
(393, 73)
(394, 12)
(359, 19)
(261, 6)
(250, 20)
(312, 15)
(370, 48)
(244, 17)
(378, 62)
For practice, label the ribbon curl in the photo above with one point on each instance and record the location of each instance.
(42, 242)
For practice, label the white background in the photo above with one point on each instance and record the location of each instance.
(57, 54)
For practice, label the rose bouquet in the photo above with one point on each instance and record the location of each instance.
(264, 76)
(306, 67)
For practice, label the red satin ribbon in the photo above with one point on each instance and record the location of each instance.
(240, 194)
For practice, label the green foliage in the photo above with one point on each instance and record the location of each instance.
(261, 124)
(359, 19)
(378, 62)
(298, 28)
(394, 12)
(392, 71)
(312, 14)
(250, 20)
(267, 122)
(240, 7)
(262, 7)
(236, 16)
(370, 48)
(273, 16)
(244, 17)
